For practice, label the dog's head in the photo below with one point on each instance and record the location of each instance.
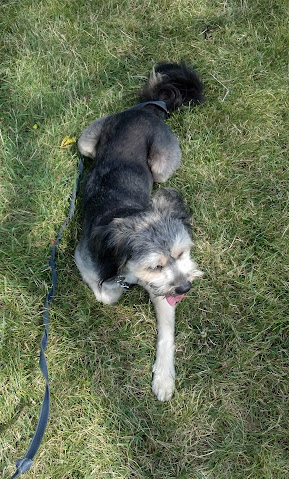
(154, 246)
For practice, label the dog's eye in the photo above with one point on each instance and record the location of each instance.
(159, 267)
(180, 255)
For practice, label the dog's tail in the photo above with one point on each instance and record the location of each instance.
(175, 84)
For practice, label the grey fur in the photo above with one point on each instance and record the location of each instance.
(129, 234)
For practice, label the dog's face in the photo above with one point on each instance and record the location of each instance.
(154, 247)
(167, 271)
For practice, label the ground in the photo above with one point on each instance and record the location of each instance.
(65, 63)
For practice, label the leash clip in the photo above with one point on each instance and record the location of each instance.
(121, 281)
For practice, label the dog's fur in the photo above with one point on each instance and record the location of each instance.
(129, 237)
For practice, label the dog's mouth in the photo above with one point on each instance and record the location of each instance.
(172, 300)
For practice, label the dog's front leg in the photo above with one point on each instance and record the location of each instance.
(164, 368)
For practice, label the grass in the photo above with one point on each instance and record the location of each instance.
(63, 64)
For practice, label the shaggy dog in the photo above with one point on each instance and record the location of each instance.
(130, 237)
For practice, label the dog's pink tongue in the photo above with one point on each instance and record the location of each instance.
(172, 300)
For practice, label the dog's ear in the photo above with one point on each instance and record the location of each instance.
(112, 242)
(169, 201)
(110, 247)
(101, 246)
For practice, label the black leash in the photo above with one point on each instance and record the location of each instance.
(23, 465)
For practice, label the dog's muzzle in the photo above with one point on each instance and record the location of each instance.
(184, 288)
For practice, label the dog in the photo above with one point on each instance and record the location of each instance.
(130, 237)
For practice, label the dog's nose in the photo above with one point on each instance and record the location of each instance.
(184, 288)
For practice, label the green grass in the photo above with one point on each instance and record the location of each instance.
(63, 64)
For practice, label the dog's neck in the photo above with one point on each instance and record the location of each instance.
(122, 212)
(159, 105)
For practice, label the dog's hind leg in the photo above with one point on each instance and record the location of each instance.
(89, 138)
(165, 155)
(163, 384)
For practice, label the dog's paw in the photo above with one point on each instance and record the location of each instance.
(163, 385)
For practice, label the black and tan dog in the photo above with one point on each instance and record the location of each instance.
(129, 236)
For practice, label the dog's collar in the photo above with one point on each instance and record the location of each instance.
(121, 281)
(160, 104)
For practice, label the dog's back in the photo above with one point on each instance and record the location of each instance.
(132, 150)
(131, 145)
(174, 84)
